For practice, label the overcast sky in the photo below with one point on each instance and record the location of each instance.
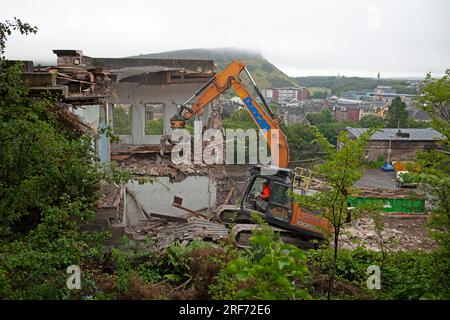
(323, 37)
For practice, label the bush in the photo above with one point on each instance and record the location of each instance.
(406, 275)
(269, 270)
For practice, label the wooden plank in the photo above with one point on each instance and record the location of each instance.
(230, 193)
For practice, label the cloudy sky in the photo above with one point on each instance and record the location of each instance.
(323, 37)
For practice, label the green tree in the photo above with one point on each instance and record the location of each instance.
(269, 270)
(341, 170)
(331, 130)
(239, 119)
(435, 101)
(48, 183)
(325, 116)
(371, 121)
(397, 114)
(435, 174)
(319, 94)
(302, 141)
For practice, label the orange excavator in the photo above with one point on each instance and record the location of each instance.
(294, 225)
(263, 116)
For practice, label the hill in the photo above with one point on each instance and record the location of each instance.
(265, 74)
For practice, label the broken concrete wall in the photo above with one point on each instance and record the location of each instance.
(96, 117)
(198, 193)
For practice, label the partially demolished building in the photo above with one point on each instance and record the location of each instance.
(144, 93)
(135, 96)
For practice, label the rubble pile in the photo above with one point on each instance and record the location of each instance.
(398, 234)
(384, 193)
(142, 166)
(166, 231)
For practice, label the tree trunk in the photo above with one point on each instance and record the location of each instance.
(333, 272)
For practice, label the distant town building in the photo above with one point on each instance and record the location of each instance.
(417, 114)
(292, 115)
(284, 95)
(347, 113)
(405, 142)
(296, 111)
(383, 89)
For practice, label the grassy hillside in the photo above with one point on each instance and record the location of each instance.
(265, 74)
(337, 85)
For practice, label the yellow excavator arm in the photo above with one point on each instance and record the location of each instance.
(263, 116)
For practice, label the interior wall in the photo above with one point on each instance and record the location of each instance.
(138, 95)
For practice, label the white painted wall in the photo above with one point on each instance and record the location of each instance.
(198, 192)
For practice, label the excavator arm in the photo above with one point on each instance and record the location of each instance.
(262, 116)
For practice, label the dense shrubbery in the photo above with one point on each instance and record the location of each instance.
(405, 275)
(268, 270)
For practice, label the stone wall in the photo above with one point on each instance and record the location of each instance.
(401, 150)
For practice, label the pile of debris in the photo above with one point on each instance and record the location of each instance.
(143, 166)
(165, 231)
(398, 234)
(385, 193)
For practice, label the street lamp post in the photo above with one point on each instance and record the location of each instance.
(387, 166)
(389, 149)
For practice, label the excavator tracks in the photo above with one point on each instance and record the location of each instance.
(241, 227)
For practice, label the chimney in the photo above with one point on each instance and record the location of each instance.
(401, 134)
(69, 57)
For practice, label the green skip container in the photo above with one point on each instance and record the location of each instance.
(400, 205)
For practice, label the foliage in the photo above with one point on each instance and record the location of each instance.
(269, 270)
(6, 29)
(325, 116)
(139, 271)
(374, 164)
(341, 170)
(435, 172)
(154, 127)
(122, 120)
(49, 188)
(133, 258)
(435, 101)
(331, 130)
(319, 94)
(302, 140)
(371, 121)
(397, 114)
(328, 125)
(413, 123)
(239, 119)
(406, 275)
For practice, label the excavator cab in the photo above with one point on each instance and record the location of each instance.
(277, 206)
(295, 225)
(279, 209)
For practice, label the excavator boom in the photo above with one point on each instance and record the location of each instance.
(262, 116)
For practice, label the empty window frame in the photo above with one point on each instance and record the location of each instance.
(154, 118)
(122, 119)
